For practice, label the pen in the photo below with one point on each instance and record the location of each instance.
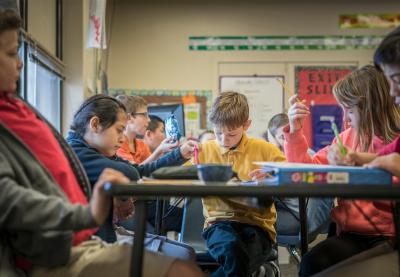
(342, 149)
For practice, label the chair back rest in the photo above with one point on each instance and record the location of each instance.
(193, 223)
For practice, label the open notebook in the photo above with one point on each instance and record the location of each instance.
(301, 173)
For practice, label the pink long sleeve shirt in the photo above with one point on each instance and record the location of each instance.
(355, 216)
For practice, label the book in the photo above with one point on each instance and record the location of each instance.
(301, 173)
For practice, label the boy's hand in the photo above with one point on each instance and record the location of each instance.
(297, 112)
(124, 208)
(167, 145)
(258, 175)
(187, 149)
(335, 156)
(100, 203)
(389, 162)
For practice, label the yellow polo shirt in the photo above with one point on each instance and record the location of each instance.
(241, 158)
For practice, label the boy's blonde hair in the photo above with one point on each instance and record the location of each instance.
(132, 103)
(230, 109)
(367, 90)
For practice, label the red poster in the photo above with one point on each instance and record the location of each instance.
(314, 84)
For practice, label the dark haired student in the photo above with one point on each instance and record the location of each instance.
(97, 133)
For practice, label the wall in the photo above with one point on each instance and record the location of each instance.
(149, 42)
(42, 23)
(77, 58)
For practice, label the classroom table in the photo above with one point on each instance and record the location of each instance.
(147, 191)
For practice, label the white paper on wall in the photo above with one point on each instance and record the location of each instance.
(96, 37)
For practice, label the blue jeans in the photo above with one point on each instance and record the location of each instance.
(318, 215)
(239, 248)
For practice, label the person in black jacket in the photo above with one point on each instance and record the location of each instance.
(96, 134)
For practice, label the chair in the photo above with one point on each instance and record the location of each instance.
(192, 227)
(292, 242)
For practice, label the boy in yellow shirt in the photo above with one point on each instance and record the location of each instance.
(238, 237)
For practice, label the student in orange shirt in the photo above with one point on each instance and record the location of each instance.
(135, 150)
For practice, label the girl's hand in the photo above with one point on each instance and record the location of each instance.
(297, 112)
(389, 162)
(335, 157)
(258, 175)
(187, 149)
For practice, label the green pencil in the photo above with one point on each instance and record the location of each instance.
(343, 150)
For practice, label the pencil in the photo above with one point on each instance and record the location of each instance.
(342, 149)
(286, 88)
(196, 154)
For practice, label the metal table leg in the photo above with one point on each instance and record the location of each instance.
(158, 218)
(303, 225)
(138, 246)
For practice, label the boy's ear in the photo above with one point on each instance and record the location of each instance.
(147, 133)
(247, 124)
(94, 124)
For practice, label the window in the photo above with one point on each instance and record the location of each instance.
(41, 80)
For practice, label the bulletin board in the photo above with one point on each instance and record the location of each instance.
(264, 94)
(314, 84)
(196, 104)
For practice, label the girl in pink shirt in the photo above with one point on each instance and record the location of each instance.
(374, 121)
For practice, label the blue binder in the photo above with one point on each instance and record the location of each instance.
(300, 173)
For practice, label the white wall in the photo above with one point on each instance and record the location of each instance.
(149, 42)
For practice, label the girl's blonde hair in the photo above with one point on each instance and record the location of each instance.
(367, 90)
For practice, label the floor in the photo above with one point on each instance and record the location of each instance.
(288, 270)
(287, 265)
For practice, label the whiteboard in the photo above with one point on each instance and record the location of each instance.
(264, 94)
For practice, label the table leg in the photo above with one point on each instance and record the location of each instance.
(303, 225)
(165, 206)
(138, 246)
(158, 216)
